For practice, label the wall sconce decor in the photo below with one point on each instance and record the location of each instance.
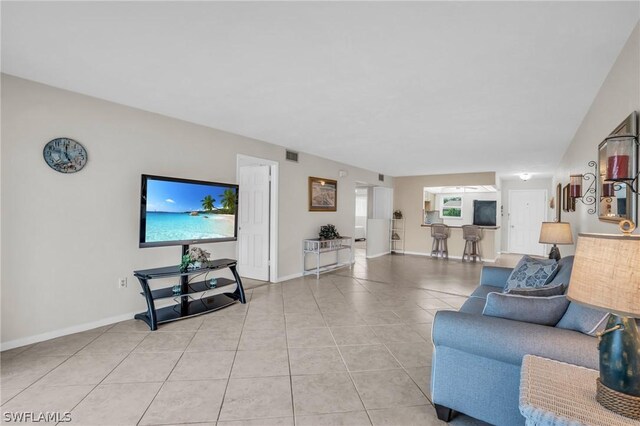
(621, 156)
(608, 190)
(558, 202)
(568, 203)
(576, 186)
(618, 181)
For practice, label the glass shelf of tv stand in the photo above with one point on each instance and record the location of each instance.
(175, 271)
(194, 288)
(193, 307)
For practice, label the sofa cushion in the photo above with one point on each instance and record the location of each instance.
(536, 310)
(473, 305)
(544, 291)
(495, 276)
(583, 319)
(563, 274)
(483, 290)
(530, 272)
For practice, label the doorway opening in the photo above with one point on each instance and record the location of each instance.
(257, 218)
(360, 233)
(527, 211)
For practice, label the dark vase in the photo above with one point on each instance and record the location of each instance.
(620, 356)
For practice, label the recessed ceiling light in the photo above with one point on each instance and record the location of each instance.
(525, 176)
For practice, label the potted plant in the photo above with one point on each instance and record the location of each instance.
(195, 258)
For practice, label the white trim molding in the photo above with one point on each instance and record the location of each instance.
(418, 253)
(289, 277)
(378, 255)
(29, 340)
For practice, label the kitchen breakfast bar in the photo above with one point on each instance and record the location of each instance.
(488, 244)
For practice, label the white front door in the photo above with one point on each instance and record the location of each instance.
(253, 222)
(527, 211)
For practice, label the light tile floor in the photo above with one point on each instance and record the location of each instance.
(352, 348)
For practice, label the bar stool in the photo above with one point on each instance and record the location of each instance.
(471, 234)
(440, 234)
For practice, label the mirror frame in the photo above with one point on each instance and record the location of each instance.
(558, 203)
(628, 127)
(568, 202)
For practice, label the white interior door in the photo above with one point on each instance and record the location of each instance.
(378, 224)
(382, 202)
(253, 226)
(527, 211)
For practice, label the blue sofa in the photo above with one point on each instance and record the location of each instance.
(477, 359)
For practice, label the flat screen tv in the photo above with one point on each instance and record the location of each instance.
(181, 211)
(484, 213)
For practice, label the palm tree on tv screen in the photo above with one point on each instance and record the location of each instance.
(229, 200)
(207, 203)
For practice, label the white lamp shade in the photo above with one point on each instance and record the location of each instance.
(556, 233)
(606, 273)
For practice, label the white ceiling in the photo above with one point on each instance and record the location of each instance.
(398, 88)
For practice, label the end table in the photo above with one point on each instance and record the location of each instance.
(554, 393)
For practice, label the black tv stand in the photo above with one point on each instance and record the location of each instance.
(193, 299)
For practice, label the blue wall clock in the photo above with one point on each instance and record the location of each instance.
(65, 155)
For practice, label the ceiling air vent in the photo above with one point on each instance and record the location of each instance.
(292, 156)
(381, 177)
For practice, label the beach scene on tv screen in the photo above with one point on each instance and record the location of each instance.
(179, 211)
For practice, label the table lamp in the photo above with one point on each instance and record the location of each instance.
(606, 276)
(555, 233)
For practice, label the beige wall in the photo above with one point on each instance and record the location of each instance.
(408, 197)
(66, 239)
(616, 99)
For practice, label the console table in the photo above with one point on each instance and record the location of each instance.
(316, 246)
(554, 393)
(193, 298)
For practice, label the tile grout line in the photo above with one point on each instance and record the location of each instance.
(54, 368)
(235, 354)
(66, 360)
(106, 375)
(345, 364)
(168, 375)
(286, 341)
(407, 287)
(404, 323)
(407, 373)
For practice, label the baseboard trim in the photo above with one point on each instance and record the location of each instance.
(288, 277)
(64, 331)
(300, 274)
(418, 253)
(379, 255)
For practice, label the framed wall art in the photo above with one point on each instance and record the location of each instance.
(323, 195)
